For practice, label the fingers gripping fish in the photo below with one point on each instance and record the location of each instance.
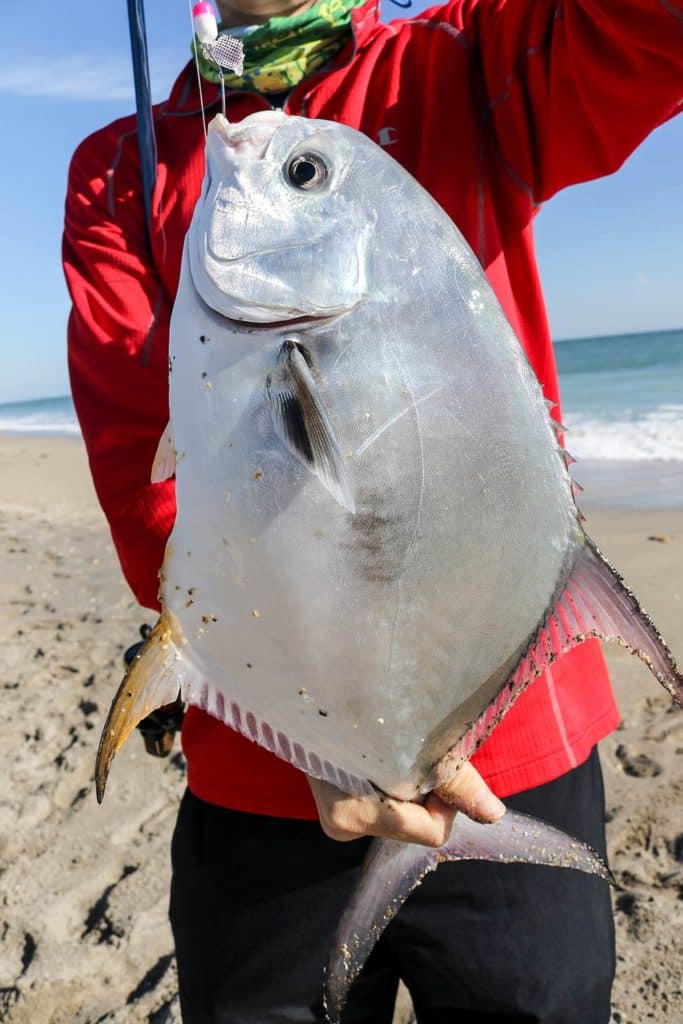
(376, 546)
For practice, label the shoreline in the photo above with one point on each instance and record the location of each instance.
(87, 886)
(635, 484)
(606, 484)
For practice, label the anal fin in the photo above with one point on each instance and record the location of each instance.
(149, 683)
(392, 870)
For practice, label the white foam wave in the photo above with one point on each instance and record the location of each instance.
(647, 436)
(39, 425)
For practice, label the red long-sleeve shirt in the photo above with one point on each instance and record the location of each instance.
(493, 105)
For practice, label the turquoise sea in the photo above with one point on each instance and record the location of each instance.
(622, 399)
(40, 416)
(622, 396)
(622, 402)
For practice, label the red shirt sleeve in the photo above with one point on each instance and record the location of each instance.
(571, 87)
(118, 352)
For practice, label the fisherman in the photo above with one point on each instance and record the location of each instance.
(494, 105)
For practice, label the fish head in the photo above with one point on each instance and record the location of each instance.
(281, 229)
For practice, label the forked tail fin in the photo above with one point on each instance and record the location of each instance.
(595, 603)
(392, 870)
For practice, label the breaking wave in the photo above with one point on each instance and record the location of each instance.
(643, 436)
(41, 416)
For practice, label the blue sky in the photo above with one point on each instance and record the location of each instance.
(610, 252)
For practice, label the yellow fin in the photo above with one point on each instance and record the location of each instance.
(163, 466)
(150, 682)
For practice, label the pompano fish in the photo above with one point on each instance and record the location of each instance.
(376, 546)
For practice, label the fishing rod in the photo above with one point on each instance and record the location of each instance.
(205, 26)
(224, 51)
(143, 105)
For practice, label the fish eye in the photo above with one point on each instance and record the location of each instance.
(307, 171)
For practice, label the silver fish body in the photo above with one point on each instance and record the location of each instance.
(368, 638)
(376, 546)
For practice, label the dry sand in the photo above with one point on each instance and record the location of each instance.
(83, 890)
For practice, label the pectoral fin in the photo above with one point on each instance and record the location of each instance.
(392, 870)
(302, 423)
(163, 466)
(149, 683)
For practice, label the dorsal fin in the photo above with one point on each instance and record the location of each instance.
(595, 604)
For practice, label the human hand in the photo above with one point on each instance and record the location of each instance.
(345, 817)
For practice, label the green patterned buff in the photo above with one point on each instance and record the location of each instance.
(280, 53)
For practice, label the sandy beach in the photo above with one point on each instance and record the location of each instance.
(84, 890)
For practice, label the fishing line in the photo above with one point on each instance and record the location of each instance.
(196, 64)
(224, 50)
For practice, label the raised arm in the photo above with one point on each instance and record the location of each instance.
(118, 352)
(571, 87)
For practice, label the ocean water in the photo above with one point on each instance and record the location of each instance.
(41, 416)
(622, 401)
(622, 396)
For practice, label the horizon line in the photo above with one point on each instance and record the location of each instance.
(555, 341)
(617, 334)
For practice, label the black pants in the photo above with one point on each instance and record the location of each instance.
(255, 900)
